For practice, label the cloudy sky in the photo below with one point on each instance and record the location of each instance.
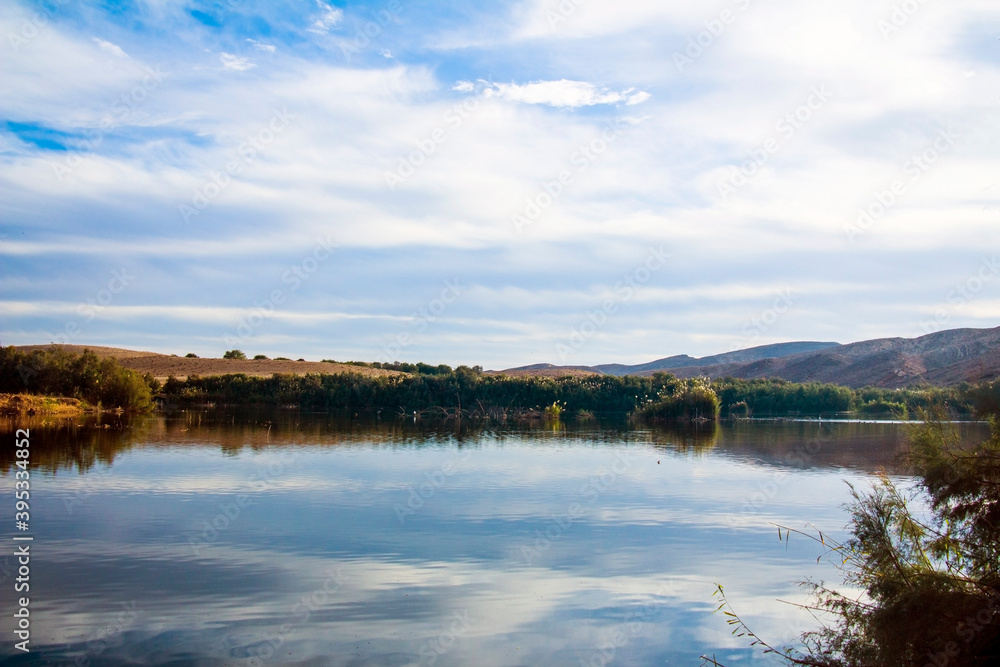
(496, 183)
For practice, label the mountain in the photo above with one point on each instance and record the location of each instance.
(674, 362)
(739, 356)
(942, 358)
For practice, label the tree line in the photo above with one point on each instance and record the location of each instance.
(107, 383)
(660, 396)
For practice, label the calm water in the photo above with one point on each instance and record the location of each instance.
(225, 539)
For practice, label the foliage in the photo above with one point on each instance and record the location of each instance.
(767, 397)
(554, 411)
(234, 354)
(191, 355)
(984, 398)
(660, 397)
(102, 382)
(463, 386)
(682, 400)
(883, 407)
(259, 357)
(932, 584)
(774, 397)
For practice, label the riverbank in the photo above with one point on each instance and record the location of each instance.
(28, 405)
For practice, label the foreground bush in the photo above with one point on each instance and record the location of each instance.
(932, 585)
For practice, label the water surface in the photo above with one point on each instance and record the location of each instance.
(286, 539)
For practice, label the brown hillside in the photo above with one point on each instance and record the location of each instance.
(942, 358)
(161, 366)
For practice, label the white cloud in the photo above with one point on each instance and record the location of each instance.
(329, 18)
(235, 63)
(637, 98)
(108, 47)
(656, 182)
(561, 93)
(261, 46)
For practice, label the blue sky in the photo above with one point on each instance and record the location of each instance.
(499, 184)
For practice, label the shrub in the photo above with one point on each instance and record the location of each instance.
(234, 354)
(693, 399)
(82, 376)
(931, 579)
(554, 411)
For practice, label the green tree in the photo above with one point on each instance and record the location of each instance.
(234, 354)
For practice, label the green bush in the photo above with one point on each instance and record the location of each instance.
(56, 372)
(684, 401)
(883, 407)
(234, 354)
(930, 576)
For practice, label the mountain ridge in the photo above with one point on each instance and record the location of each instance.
(941, 358)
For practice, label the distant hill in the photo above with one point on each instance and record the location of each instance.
(162, 366)
(942, 358)
(672, 363)
(739, 356)
(548, 370)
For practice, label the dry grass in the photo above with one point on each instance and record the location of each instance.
(162, 366)
(27, 404)
(556, 372)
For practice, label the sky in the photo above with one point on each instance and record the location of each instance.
(505, 183)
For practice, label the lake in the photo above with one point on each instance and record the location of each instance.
(236, 538)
